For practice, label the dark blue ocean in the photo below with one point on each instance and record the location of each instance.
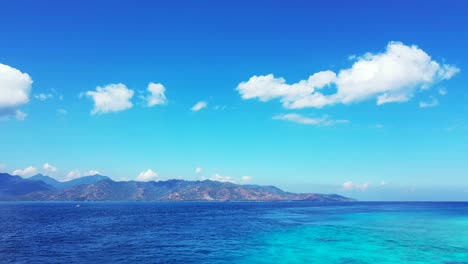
(202, 232)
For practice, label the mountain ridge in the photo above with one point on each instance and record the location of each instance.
(102, 188)
(62, 185)
(13, 186)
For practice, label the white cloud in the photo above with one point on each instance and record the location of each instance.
(246, 179)
(350, 186)
(297, 118)
(15, 88)
(48, 95)
(199, 106)
(268, 87)
(219, 178)
(91, 172)
(390, 76)
(156, 94)
(62, 111)
(20, 115)
(2, 166)
(111, 98)
(377, 126)
(49, 168)
(219, 107)
(393, 98)
(74, 174)
(43, 96)
(198, 170)
(443, 91)
(26, 172)
(431, 103)
(148, 175)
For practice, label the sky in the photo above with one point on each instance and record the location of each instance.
(366, 99)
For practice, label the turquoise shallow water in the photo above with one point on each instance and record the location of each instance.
(369, 233)
(281, 232)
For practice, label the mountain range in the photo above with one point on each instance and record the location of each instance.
(102, 188)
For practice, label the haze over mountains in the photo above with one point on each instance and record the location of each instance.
(102, 188)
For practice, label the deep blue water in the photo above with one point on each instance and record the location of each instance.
(278, 232)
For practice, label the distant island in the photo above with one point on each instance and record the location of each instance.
(102, 188)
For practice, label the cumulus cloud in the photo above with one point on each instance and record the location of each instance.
(156, 94)
(387, 77)
(297, 118)
(74, 174)
(148, 175)
(49, 168)
(15, 88)
(350, 186)
(198, 170)
(111, 98)
(199, 106)
(433, 102)
(26, 172)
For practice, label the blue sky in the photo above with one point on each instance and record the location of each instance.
(385, 118)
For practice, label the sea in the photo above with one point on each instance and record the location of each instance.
(233, 232)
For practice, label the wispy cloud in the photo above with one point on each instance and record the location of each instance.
(443, 91)
(199, 106)
(20, 115)
(218, 177)
(43, 96)
(432, 102)
(377, 126)
(62, 111)
(246, 179)
(350, 186)
(50, 94)
(297, 118)
(221, 178)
